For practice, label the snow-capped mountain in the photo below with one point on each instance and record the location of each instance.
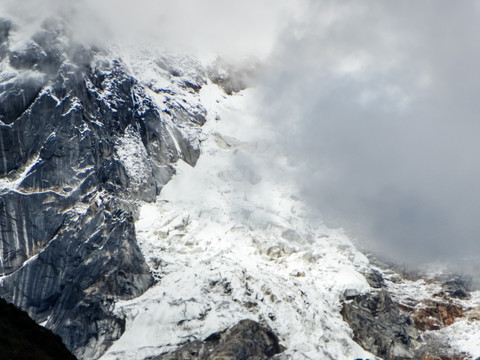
(142, 211)
(230, 242)
(71, 117)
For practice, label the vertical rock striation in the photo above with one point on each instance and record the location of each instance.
(80, 142)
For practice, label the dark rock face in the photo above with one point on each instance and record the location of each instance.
(73, 282)
(67, 240)
(380, 326)
(27, 225)
(457, 286)
(22, 338)
(248, 340)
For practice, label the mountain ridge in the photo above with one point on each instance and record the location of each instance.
(144, 204)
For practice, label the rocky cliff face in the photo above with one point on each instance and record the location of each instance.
(80, 142)
(402, 319)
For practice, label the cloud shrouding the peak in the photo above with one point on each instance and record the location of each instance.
(380, 103)
(229, 28)
(376, 101)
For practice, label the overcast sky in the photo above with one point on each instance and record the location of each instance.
(230, 28)
(380, 101)
(377, 101)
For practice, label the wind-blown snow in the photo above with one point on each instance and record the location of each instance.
(228, 240)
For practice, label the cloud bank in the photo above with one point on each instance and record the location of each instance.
(378, 101)
(229, 28)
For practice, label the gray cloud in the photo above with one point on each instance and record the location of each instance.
(378, 104)
(229, 28)
(376, 100)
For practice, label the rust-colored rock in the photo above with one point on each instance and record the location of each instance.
(434, 315)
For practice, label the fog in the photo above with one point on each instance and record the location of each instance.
(376, 102)
(230, 28)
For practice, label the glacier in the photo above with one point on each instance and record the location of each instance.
(230, 241)
(145, 204)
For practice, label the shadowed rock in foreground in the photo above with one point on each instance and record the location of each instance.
(248, 340)
(22, 338)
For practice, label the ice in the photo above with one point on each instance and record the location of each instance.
(228, 240)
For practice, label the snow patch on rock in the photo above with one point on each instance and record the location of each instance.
(134, 158)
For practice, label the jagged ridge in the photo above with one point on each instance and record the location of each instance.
(67, 192)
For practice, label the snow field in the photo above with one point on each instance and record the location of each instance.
(228, 240)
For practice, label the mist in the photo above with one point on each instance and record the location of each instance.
(226, 28)
(378, 105)
(375, 102)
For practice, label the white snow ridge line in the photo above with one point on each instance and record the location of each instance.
(12, 183)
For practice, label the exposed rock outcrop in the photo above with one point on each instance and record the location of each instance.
(380, 326)
(435, 314)
(398, 327)
(248, 340)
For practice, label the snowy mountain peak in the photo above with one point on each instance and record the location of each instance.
(145, 208)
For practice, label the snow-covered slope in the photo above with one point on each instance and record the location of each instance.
(228, 240)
